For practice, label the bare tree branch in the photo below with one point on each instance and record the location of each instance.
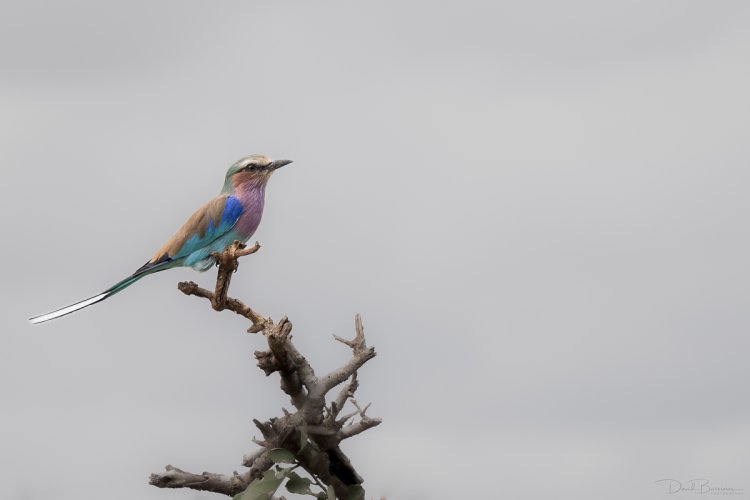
(206, 481)
(192, 288)
(361, 426)
(228, 264)
(312, 432)
(346, 392)
(362, 354)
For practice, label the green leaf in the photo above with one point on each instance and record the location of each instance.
(281, 456)
(331, 493)
(261, 489)
(354, 492)
(297, 484)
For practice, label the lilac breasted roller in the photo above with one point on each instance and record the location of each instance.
(233, 215)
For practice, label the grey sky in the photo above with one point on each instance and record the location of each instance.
(539, 209)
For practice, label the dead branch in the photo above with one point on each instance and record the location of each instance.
(228, 263)
(314, 431)
(206, 481)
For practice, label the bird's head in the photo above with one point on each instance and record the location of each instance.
(251, 170)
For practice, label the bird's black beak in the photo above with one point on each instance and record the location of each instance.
(277, 164)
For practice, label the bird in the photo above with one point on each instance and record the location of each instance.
(234, 214)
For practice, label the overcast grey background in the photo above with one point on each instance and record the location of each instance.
(539, 208)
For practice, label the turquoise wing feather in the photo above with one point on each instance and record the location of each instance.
(208, 224)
